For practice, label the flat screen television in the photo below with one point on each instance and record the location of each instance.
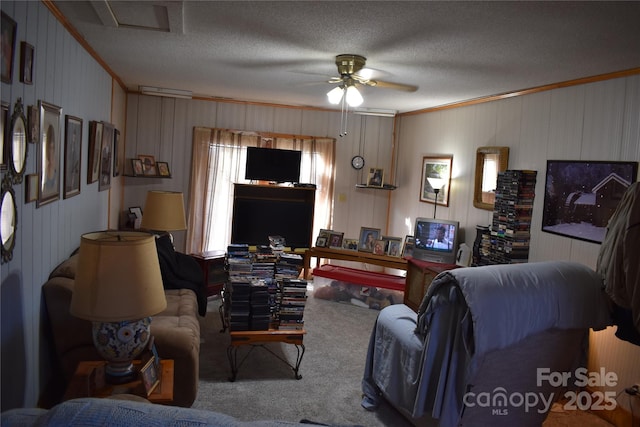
(436, 240)
(272, 164)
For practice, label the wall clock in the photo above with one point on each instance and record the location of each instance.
(357, 162)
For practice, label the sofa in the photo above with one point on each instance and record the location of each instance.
(483, 344)
(176, 333)
(88, 412)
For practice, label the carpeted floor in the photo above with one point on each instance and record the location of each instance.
(329, 391)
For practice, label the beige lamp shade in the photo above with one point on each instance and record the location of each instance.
(118, 277)
(164, 211)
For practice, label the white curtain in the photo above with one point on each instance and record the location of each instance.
(218, 162)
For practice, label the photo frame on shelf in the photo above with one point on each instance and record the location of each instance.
(379, 247)
(375, 177)
(26, 63)
(136, 167)
(72, 156)
(106, 157)
(9, 27)
(321, 242)
(31, 188)
(49, 155)
(408, 245)
(33, 123)
(394, 246)
(350, 244)
(438, 167)
(335, 239)
(368, 237)
(581, 196)
(148, 165)
(163, 169)
(95, 143)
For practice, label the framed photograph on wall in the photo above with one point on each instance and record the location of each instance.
(72, 156)
(9, 27)
(33, 122)
(106, 157)
(49, 155)
(436, 170)
(95, 143)
(117, 163)
(368, 237)
(26, 63)
(580, 196)
(4, 120)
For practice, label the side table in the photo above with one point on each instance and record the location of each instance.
(259, 338)
(79, 384)
(213, 268)
(419, 276)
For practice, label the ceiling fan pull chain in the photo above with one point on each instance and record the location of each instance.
(343, 117)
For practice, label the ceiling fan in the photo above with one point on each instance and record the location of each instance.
(352, 73)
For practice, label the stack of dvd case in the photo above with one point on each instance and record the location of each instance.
(294, 297)
(511, 226)
(260, 312)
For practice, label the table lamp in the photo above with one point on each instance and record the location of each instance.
(118, 286)
(436, 183)
(164, 211)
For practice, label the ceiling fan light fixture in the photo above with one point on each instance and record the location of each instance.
(353, 97)
(335, 95)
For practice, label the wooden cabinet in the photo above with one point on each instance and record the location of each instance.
(419, 276)
(213, 269)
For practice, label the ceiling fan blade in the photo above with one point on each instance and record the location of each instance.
(390, 85)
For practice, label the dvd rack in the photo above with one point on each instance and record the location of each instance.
(511, 226)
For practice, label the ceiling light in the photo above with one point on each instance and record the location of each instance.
(353, 97)
(335, 95)
(160, 91)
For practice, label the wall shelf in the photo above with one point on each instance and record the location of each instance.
(147, 176)
(375, 187)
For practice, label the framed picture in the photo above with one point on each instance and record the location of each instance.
(95, 143)
(350, 244)
(407, 247)
(136, 167)
(321, 242)
(33, 122)
(31, 189)
(436, 171)
(106, 157)
(149, 376)
(72, 156)
(379, 247)
(581, 196)
(9, 27)
(49, 155)
(26, 63)
(137, 211)
(148, 165)
(376, 177)
(394, 246)
(117, 164)
(368, 237)
(335, 239)
(4, 120)
(163, 169)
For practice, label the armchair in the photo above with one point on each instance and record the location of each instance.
(478, 342)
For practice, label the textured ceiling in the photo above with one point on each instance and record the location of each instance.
(284, 52)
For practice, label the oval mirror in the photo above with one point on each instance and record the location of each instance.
(489, 161)
(8, 220)
(17, 142)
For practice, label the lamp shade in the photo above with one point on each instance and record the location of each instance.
(164, 211)
(354, 99)
(335, 95)
(118, 277)
(436, 183)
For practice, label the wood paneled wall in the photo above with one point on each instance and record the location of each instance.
(67, 76)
